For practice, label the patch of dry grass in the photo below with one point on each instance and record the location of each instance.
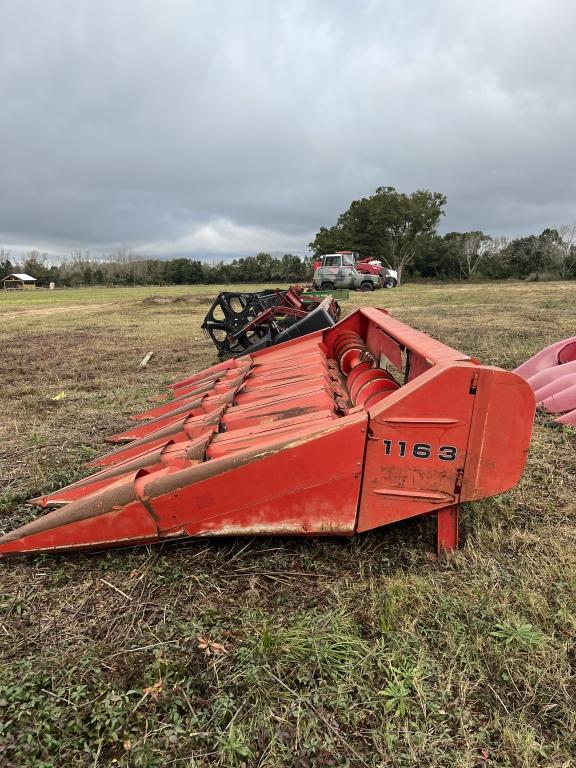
(362, 653)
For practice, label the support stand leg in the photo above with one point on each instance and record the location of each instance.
(447, 529)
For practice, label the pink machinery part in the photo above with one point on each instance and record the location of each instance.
(551, 374)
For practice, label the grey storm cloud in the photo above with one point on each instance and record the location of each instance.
(227, 127)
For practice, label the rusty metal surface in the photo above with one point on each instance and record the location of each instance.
(312, 437)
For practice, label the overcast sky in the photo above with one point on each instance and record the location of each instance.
(231, 126)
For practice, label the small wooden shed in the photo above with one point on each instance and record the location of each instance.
(18, 281)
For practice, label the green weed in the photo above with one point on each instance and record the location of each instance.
(517, 633)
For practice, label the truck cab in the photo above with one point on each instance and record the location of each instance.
(338, 270)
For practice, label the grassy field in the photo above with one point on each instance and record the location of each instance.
(361, 653)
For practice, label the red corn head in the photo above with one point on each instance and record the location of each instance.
(344, 430)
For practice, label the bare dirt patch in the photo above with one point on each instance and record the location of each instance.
(151, 301)
(41, 311)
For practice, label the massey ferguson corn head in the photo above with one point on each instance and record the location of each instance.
(341, 431)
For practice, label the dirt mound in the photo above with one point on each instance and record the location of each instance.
(151, 301)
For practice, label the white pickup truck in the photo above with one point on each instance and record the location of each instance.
(341, 270)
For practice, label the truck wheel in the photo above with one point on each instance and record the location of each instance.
(327, 287)
(390, 283)
(366, 286)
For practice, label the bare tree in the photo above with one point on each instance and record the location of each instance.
(564, 252)
(5, 260)
(473, 252)
(498, 244)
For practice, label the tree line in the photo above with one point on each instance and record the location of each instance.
(125, 268)
(399, 229)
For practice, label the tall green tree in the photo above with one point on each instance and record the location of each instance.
(532, 255)
(35, 265)
(437, 257)
(388, 225)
